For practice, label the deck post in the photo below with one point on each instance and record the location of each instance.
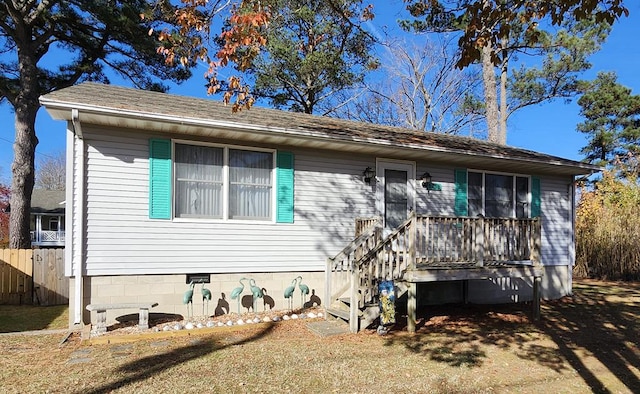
(354, 302)
(465, 291)
(327, 283)
(411, 264)
(479, 244)
(537, 281)
(535, 257)
(535, 248)
(411, 307)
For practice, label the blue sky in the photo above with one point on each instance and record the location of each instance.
(549, 128)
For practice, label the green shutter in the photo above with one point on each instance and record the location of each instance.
(159, 179)
(461, 206)
(284, 185)
(536, 206)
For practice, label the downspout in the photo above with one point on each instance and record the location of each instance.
(77, 212)
(572, 246)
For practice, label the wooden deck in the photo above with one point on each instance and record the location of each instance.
(444, 271)
(432, 249)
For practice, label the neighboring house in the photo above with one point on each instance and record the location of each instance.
(164, 189)
(47, 218)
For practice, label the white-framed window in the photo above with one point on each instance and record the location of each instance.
(498, 195)
(53, 224)
(223, 182)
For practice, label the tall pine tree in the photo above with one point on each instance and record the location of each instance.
(314, 49)
(504, 34)
(83, 39)
(612, 122)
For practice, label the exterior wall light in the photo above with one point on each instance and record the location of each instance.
(368, 175)
(426, 180)
(427, 183)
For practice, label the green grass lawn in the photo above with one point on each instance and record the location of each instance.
(14, 318)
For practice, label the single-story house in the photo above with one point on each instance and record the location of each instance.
(47, 218)
(163, 190)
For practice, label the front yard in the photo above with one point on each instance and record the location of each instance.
(586, 343)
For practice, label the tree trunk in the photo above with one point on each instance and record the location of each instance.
(502, 139)
(490, 95)
(23, 175)
(26, 108)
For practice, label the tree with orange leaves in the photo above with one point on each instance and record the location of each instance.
(298, 51)
(193, 41)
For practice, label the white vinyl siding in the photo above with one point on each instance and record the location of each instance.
(557, 226)
(329, 194)
(121, 239)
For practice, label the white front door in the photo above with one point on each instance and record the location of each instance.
(395, 191)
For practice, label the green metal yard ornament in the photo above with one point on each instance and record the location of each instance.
(304, 290)
(235, 293)
(206, 297)
(187, 298)
(288, 292)
(256, 291)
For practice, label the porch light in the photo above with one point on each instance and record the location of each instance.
(368, 174)
(426, 180)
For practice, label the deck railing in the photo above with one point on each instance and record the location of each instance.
(423, 241)
(476, 240)
(47, 237)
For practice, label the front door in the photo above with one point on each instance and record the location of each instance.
(396, 192)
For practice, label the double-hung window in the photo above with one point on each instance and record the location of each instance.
(498, 195)
(222, 182)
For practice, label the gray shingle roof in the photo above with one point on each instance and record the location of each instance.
(47, 201)
(161, 106)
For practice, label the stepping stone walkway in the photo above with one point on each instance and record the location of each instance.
(80, 356)
(83, 356)
(326, 328)
(121, 351)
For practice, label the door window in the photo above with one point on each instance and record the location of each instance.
(395, 197)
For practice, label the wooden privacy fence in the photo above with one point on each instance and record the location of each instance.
(33, 276)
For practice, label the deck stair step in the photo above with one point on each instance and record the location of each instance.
(347, 301)
(367, 315)
(338, 312)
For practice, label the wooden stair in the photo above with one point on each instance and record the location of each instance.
(366, 315)
(353, 275)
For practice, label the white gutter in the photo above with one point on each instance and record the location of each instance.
(77, 212)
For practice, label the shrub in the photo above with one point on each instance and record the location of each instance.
(608, 229)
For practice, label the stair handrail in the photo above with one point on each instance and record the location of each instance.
(365, 274)
(369, 236)
(385, 242)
